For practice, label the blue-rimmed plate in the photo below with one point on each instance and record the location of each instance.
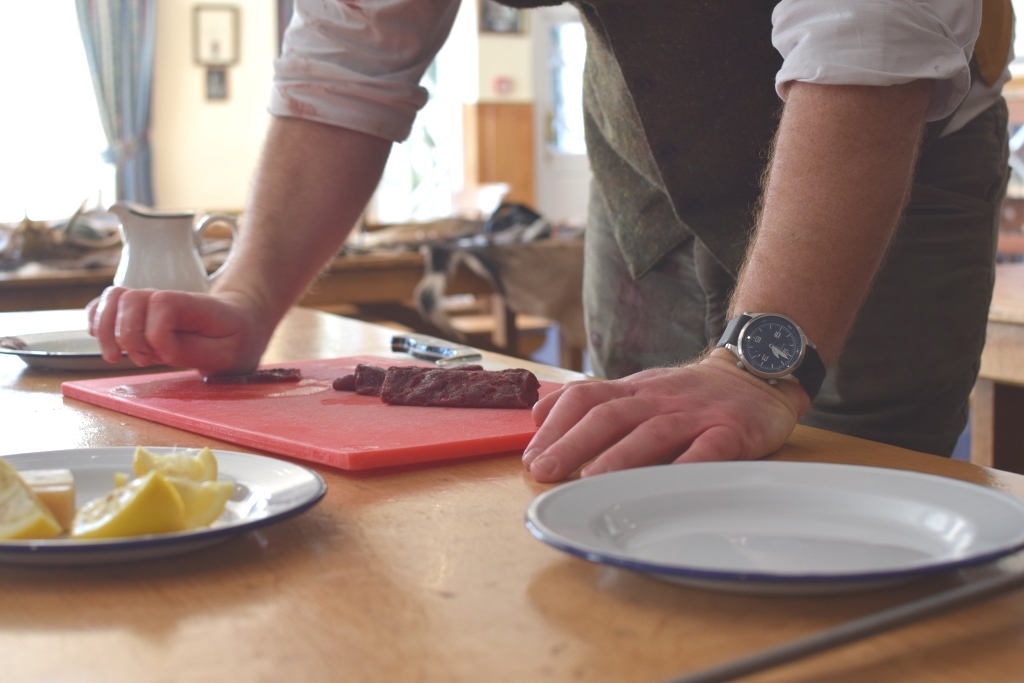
(72, 350)
(779, 527)
(267, 491)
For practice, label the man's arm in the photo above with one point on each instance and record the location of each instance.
(354, 66)
(840, 175)
(841, 170)
(312, 184)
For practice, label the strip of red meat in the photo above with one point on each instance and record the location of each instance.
(367, 379)
(258, 377)
(344, 383)
(470, 389)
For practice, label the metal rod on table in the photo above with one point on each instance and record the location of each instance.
(863, 627)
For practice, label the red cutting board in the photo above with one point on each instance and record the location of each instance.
(310, 420)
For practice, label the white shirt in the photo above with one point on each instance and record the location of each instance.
(358, 63)
(886, 42)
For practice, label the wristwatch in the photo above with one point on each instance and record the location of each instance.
(773, 347)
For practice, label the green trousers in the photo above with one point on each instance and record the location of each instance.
(906, 372)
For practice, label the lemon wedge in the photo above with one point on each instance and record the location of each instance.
(203, 500)
(197, 466)
(149, 504)
(22, 514)
(55, 489)
(193, 474)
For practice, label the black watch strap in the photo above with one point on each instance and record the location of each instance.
(731, 336)
(811, 371)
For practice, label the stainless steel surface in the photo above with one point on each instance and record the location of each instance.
(440, 351)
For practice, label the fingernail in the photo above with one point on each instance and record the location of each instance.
(529, 455)
(543, 466)
(591, 470)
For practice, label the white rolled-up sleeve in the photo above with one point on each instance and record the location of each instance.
(358, 63)
(878, 42)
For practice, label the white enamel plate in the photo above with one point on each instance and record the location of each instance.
(779, 527)
(267, 490)
(68, 350)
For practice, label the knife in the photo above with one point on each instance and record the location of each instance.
(431, 348)
(863, 627)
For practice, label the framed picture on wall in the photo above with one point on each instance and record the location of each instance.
(497, 18)
(216, 83)
(215, 35)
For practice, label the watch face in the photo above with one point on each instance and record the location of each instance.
(771, 345)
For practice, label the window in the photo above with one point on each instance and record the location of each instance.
(562, 167)
(418, 182)
(1017, 65)
(568, 51)
(51, 138)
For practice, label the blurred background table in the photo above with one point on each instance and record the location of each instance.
(375, 287)
(353, 280)
(997, 403)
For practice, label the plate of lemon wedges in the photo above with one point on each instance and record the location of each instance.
(99, 505)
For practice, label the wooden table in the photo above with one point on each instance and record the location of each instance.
(997, 403)
(428, 574)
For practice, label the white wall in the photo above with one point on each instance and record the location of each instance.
(204, 152)
(506, 56)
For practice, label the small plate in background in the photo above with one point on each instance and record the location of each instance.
(66, 350)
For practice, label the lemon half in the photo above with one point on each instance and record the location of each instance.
(147, 505)
(197, 466)
(203, 500)
(22, 514)
(194, 475)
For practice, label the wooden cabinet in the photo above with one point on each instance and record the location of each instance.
(499, 148)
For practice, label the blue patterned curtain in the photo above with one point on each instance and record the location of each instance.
(119, 37)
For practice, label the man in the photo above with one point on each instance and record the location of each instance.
(680, 102)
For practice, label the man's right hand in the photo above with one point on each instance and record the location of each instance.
(212, 333)
(705, 411)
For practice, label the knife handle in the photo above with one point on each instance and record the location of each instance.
(429, 348)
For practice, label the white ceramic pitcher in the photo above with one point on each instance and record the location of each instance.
(161, 250)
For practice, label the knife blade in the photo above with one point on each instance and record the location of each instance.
(863, 627)
(440, 351)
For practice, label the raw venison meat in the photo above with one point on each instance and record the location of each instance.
(409, 386)
(367, 379)
(257, 377)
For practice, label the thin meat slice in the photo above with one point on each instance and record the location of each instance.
(405, 386)
(367, 379)
(270, 376)
(344, 383)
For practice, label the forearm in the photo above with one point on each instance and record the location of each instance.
(312, 184)
(839, 176)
